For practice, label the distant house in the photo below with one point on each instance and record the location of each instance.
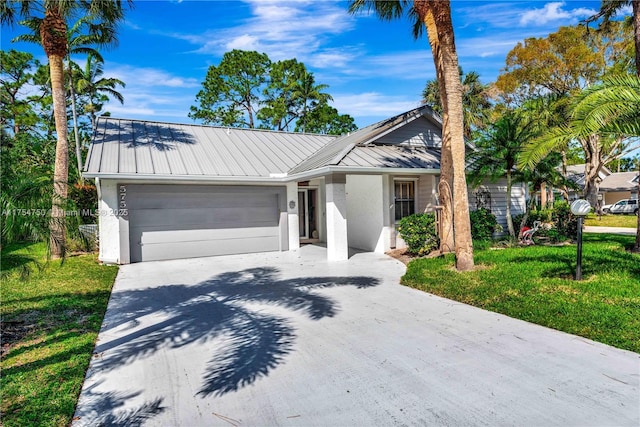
(176, 191)
(614, 186)
(619, 186)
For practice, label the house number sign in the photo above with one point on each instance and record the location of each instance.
(122, 201)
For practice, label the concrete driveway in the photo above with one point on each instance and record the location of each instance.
(290, 339)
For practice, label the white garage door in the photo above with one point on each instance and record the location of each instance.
(185, 221)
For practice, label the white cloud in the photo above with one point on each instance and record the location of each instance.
(138, 76)
(554, 12)
(371, 104)
(282, 30)
(243, 42)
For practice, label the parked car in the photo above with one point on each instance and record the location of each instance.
(625, 206)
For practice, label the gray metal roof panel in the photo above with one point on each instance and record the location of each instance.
(140, 147)
(334, 152)
(392, 157)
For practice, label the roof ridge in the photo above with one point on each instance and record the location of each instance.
(218, 127)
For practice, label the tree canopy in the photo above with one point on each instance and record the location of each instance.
(247, 89)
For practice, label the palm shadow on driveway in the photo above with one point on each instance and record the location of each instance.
(222, 311)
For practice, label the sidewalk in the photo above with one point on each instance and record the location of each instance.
(612, 230)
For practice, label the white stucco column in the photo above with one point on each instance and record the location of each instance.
(109, 222)
(292, 216)
(337, 241)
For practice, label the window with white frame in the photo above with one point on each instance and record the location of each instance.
(405, 199)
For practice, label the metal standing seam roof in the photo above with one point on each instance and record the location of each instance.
(334, 152)
(392, 156)
(135, 147)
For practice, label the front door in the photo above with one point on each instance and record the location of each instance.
(307, 213)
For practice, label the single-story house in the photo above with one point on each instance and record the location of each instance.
(618, 186)
(613, 186)
(183, 190)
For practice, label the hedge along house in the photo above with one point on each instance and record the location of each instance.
(171, 191)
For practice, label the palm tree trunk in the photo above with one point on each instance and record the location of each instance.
(61, 169)
(445, 187)
(512, 231)
(446, 59)
(635, 6)
(53, 34)
(75, 123)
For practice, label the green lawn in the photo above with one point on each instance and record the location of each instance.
(535, 284)
(630, 221)
(51, 314)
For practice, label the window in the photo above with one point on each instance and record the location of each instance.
(405, 201)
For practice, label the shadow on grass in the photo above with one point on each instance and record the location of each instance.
(221, 311)
(561, 263)
(21, 259)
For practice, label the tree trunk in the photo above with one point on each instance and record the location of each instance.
(445, 187)
(75, 124)
(448, 62)
(512, 231)
(635, 7)
(592, 168)
(636, 248)
(53, 35)
(543, 196)
(61, 169)
(564, 190)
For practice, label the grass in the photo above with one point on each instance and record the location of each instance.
(51, 315)
(611, 220)
(536, 284)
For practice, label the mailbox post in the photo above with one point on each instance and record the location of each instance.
(580, 208)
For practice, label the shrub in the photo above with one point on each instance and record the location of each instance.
(85, 198)
(483, 224)
(564, 222)
(419, 233)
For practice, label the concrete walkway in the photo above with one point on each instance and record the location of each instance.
(612, 230)
(290, 339)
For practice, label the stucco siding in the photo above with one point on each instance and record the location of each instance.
(365, 215)
(108, 223)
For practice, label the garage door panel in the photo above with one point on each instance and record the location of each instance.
(205, 218)
(183, 221)
(157, 252)
(151, 236)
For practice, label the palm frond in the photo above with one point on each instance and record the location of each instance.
(536, 150)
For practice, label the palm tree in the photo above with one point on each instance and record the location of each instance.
(435, 16)
(53, 34)
(89, 82)
(497, 150)
(475, 100)
(600, 120)
(78, 43)
(308, 94)
(610, 109)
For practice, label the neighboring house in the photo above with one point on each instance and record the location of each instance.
(575, 174)
(614, 186)
(176, 191)
(618, 186)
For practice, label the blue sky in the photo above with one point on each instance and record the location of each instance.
(374, 69)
